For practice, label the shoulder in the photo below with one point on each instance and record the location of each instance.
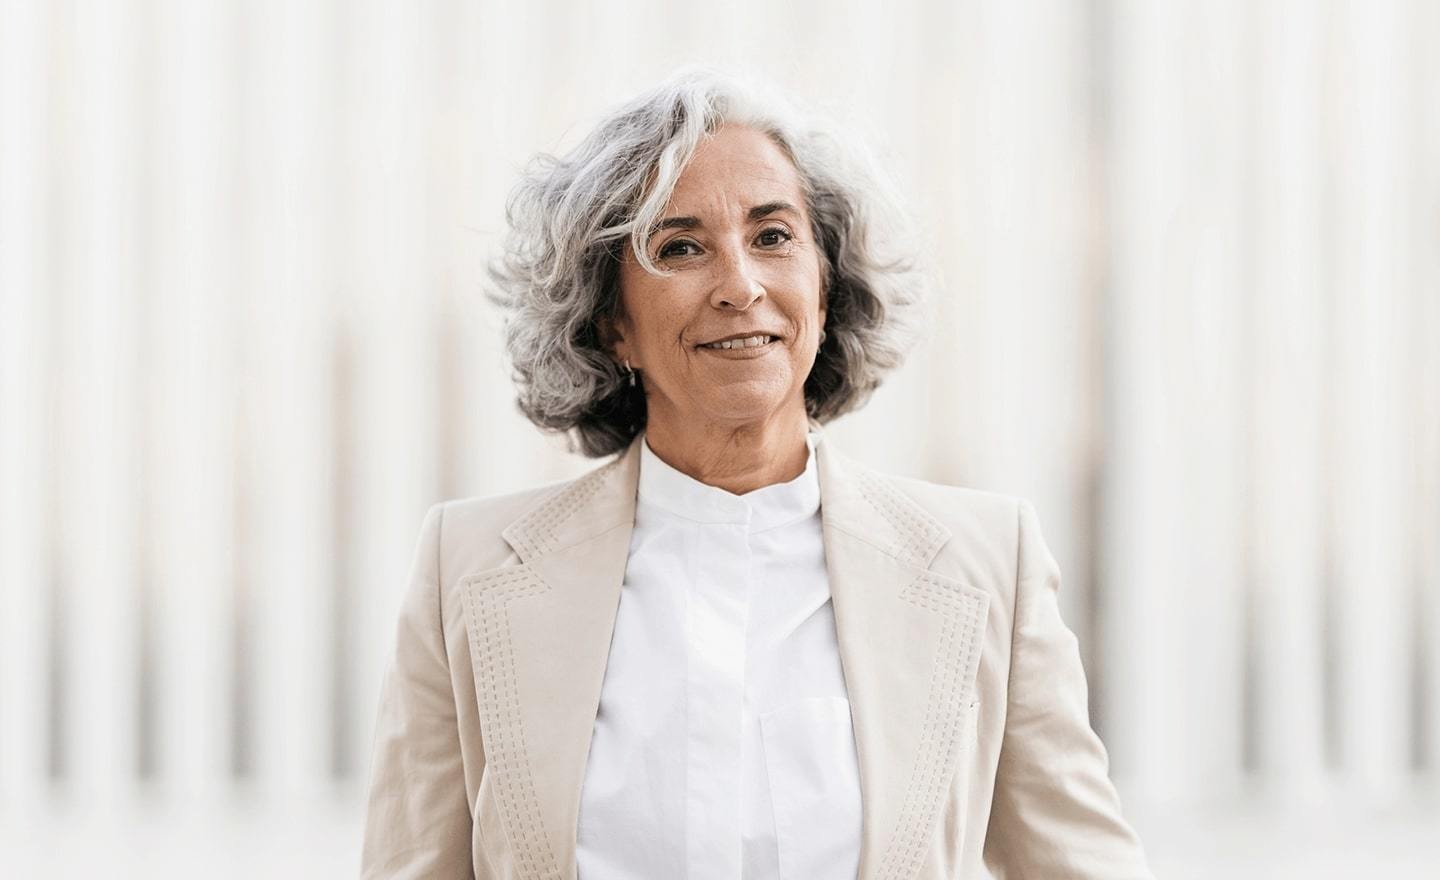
(947, 500)
(985, 527)
(468, 531)
(924, 520)
(963, 509)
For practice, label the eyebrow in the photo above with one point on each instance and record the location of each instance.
(755, 213)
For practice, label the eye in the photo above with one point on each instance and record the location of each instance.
(780, 231)
(671, 248)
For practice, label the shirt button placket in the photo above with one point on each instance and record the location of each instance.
(716, 621)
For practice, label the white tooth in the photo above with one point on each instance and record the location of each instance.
(747, 342)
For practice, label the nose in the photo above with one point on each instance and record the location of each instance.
(736, 287)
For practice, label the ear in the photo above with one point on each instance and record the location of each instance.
(612, 332)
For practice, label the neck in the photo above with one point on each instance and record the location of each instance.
(736, 458)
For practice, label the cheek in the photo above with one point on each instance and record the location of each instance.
(807, 302)
(659, 319)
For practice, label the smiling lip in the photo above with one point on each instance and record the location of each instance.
(733, 337)
(738, 352)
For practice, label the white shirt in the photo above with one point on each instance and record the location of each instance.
(723, 745)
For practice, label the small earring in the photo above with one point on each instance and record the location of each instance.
(822, 335)
(631, 371)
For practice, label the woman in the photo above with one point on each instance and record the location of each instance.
(729, 651)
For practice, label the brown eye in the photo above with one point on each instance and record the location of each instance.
(671, 248)
(780, 236)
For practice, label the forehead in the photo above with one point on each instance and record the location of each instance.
(735, 167)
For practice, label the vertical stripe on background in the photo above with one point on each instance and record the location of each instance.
(1189, 305)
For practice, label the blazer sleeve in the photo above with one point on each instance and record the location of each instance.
(417, 819)
(1055, 813)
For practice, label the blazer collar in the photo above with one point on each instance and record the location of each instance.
(540, 630)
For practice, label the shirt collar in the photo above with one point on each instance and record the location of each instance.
(769, 506)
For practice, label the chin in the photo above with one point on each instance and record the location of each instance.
(745, 405)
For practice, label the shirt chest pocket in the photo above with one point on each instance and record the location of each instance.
(814, 787)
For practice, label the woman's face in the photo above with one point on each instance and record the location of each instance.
(737, 237)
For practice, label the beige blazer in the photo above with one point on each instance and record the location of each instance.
(966, 690)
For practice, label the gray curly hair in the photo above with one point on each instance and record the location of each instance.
(557, 279)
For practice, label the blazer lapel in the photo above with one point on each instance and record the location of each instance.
(910, 642)
(539, 642)
(540, 632)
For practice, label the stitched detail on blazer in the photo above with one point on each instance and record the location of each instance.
(541, 526)
(952, 685)
(915, 530)
(499, 699)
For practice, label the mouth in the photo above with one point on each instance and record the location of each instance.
(749, 344)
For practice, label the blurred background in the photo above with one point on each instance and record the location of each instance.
(1190, 308)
